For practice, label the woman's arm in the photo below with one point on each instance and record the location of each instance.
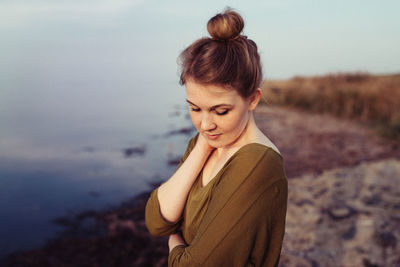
(155, 221)
(172, 194)
(175, 240)
(250, 234)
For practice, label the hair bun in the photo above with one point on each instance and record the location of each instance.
(225, 26)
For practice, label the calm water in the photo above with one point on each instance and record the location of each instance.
(82, 87)
(70, 146)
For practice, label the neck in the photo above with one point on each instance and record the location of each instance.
(248, 134)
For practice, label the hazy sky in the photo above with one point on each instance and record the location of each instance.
(144, 38)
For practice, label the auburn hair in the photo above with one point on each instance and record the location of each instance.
(227, 59)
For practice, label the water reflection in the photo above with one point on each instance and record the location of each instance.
(62, 170)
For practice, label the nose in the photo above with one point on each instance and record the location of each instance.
(207, 123)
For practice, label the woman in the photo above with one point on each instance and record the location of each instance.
(229, 192)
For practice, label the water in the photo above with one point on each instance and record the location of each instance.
(78, 89)
(63, 149)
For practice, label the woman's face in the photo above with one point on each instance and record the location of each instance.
(220, 115)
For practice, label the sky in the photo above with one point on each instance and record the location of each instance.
(93, 38)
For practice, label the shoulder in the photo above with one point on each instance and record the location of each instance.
(192, 143)
(266, 163)
(257, 155)
(255, 162)
(193, 140)
(189, 148)
(261, 147)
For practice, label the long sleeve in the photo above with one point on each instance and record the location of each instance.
(248, 228)
(155, 222)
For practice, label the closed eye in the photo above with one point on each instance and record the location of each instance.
(218, 113)
(223, 113)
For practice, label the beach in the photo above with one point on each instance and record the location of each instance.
(340, 190)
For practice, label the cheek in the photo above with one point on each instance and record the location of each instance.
(235, 122)
(195, 119)
(230, 123)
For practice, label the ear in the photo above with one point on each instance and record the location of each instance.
(254, 99)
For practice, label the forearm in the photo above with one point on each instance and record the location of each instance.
(172, 194)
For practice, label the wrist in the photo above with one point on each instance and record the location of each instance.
(175, 240)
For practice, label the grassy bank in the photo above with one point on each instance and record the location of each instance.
(372, 99)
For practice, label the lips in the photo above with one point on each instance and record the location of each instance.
(213, 136)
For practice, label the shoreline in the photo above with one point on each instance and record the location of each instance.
(118, 236)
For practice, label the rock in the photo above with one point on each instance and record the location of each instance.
(367, 263)
(133, 151)
(339, 211)
(385, 239)
(350, 233)
(372, 200)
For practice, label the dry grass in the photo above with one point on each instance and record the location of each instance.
(372, 99)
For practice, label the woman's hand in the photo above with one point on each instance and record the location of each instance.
(203, 145)
(175, 240)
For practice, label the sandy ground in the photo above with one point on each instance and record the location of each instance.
(346, 216)
(315, 142)
(344, 198)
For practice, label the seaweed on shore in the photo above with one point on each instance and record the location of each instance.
(113, 237)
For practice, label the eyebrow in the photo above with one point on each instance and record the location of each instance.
(213, 107)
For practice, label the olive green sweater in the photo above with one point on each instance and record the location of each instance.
(237, 219)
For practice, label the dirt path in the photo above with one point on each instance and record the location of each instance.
(315, 142)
